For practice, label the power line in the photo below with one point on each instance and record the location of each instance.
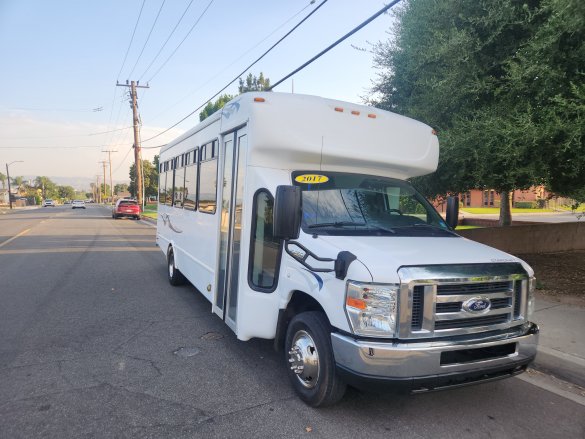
(147, 38)
(167, 40)
(122, 162)
(244, 71)
(214, 76)
(129, 45)
(64, 137)
(182, 41)
(347, 35)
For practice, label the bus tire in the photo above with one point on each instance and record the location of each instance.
(174, 275)
(309, 360)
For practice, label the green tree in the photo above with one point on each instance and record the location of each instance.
(3, 180)
(217, 105)
(471, 70)
(121, 187)
(67, 192)
(47, 186)
(150, 176)
(252, 83)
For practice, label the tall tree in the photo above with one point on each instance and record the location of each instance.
(211, 108)
(150, 177)
(252, 83)
(462, 66)
(3, 180)
(119, 188)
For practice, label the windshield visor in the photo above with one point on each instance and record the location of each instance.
(337, 203)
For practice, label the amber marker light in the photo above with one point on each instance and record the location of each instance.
(339, 109)
(372, 116)
(356, 303)
(259, 100)
(355, 113)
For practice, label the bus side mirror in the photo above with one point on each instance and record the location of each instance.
(452, 211)
(287, 212)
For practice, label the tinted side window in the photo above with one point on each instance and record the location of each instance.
(190, 197)
(179, 187)
(208, 178)
(265, 249)
(162, 188)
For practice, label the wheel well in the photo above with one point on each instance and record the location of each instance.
(299, 302)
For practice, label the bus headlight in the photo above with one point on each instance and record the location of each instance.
(530, 305)
(371, 308)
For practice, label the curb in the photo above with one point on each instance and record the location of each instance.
(565, 366)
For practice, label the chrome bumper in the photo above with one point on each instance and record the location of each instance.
(424, 361)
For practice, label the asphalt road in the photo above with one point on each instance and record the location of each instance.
(90, 337)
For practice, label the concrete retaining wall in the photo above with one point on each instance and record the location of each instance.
(542, 238)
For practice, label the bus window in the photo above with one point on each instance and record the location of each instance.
(265, 249)
(162, 188)
(190, 197)
(179, 187)
(208, 179)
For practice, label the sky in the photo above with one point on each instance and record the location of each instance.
(61, 59)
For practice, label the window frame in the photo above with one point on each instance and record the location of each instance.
(252, 247)
(214, 156)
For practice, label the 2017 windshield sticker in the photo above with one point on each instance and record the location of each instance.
(311, 178)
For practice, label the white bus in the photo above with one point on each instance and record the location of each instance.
(292, 215)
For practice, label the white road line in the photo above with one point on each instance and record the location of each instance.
(8, 241)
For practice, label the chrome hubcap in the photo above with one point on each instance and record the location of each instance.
(304, 359)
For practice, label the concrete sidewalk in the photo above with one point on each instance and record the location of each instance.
(561, 350)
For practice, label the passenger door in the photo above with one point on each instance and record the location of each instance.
(232, 175)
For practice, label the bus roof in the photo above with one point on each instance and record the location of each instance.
(292, 131)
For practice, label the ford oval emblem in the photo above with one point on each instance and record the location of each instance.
(477, 305)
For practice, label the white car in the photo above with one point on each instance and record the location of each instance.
(78, 204)
(48, 203)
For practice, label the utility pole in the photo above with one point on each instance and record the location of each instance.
(97, 188)
(136, 120)
(110, 151)
(103, 162)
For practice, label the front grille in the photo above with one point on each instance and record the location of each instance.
(479, 288)
(447, 300)
(417, 307)
(471, 322)
(517, 299)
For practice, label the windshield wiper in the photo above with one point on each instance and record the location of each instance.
(432, 226)
(383, 229)
(336, 224)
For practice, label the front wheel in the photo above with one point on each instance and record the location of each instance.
(310, 362)
(174, 275)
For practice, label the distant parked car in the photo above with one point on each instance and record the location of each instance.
(78, 204)
(124, 207)
(48, 203)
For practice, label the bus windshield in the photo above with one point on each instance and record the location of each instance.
(337, 203)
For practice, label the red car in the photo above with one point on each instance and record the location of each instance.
(128, 208)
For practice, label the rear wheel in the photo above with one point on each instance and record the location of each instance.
(174, 275)
(310, 362)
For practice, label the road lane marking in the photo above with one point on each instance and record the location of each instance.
(8, 241)
(78, 250)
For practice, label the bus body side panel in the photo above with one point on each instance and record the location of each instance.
(194, 238)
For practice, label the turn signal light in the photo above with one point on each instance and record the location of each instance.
(339, 109)
(356, 303)
(372, 116)
(259, 100)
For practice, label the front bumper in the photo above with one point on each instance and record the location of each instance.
(437, 364)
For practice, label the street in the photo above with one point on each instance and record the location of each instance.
(94, 342)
